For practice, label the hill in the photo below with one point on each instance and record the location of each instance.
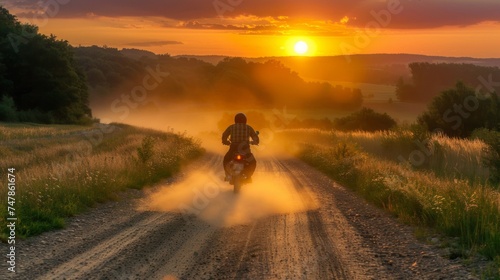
(234, 83)
(362, 68)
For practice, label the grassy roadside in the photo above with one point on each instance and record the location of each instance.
(63, 170)
(467, 211)
(445, 157)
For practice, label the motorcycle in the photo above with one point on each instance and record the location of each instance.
(237, 167)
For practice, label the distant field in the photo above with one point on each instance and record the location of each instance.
(383, 99)
(400, 111)
(372, 92)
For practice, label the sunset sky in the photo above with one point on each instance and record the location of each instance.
(255, 28)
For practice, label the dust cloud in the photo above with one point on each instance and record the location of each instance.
(206, 126)
(206, 196)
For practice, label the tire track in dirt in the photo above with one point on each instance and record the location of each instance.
(326, 261)
(98, 255)
(286, 246)
(330, 236)
(59, 254)
(372, 242)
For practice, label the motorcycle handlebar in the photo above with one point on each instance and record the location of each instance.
(251, 143)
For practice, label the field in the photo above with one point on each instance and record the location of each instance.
(381, 98)
(447, 192)
(62, 170)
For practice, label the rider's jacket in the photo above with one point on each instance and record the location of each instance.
(240, 132)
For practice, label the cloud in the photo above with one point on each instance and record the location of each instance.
(154, 44)
(413, 14)
(199, 25)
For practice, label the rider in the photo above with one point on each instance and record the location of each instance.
(237, 136)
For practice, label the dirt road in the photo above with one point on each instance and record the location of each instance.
(290, 223)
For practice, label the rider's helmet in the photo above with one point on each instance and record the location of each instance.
(240, 118)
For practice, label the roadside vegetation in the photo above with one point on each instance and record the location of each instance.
(452, 195)
(428, 178)
(63, 170)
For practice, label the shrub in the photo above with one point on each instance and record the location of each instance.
(145, 151)
(8, 109)
(365, 120)
(36, 116)
(458, 111)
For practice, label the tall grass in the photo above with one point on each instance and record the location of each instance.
(11, 131)
(445, 157)
(454, 207)
(467, 210)
(60, 172)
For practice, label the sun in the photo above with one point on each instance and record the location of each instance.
(301, 47)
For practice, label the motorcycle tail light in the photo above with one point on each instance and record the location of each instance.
(238, 157)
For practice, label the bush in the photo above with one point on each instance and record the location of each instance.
(458, 111)
(365, 120)
(145, 152)
(35, 116)
(8, 110)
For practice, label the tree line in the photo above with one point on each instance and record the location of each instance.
(430, 79)
(39, 78)
(233, 83)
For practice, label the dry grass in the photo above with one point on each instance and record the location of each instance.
(453, 204)
(446, 157)
(62, 170)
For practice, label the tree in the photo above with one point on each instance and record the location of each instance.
(367, 120)
(430, 79)
(457, 112)
(5, 84)
(40, 74)
(405, 92)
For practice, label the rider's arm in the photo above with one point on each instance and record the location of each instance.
(253, 135)
(226, 135)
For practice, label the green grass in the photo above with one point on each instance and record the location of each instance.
(61, 172)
